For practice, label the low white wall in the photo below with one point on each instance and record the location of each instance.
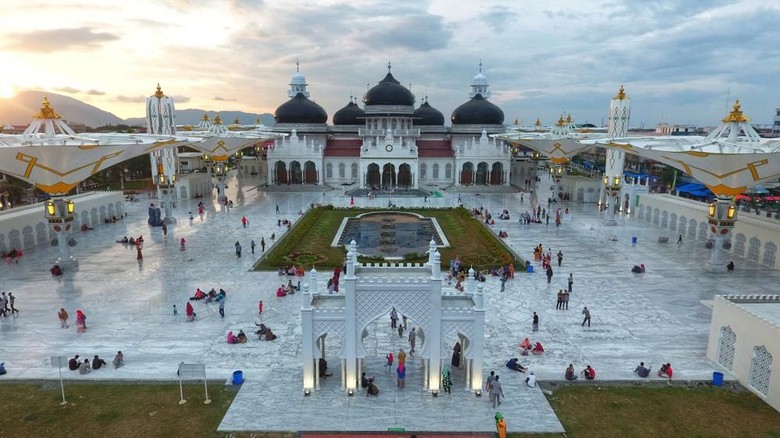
(25, 227)
(751, 331)
(755, 238)
(192, 184)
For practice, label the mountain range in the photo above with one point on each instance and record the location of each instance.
(19, 110)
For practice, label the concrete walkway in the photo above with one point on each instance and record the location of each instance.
(659, 316)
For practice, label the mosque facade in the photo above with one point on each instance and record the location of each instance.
(389, 142)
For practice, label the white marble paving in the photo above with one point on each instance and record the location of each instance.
(659, 316)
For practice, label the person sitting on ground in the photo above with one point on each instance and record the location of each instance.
(262, 331)
(56, 270)
(84, 368)
(199, 295)
(211, 296)
(323, 368)
(241, 337)
(538, 349)
(363, 380)
(525, 344)
(513, 365)
(125, 240)
(281, 292)
(730, 266)
(231, 339)
(131, 241)
(2, 368)
(641, 370)
(97, 363)
(636, 269)
(589, 373)
(372, 389)
(73, 363)
(269, 335)
(119, 360)
(570, 374)
(666, 371)
(531, 380)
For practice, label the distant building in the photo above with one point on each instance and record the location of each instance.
(670, 129)
(776, 125)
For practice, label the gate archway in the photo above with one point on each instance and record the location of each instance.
(281, 172)
(372, 176)
(388, 176)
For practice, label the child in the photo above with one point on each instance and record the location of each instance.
(389, 364)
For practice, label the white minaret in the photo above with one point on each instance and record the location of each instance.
(479, 85)
(619, 118)
(298, 83)
(161, 119)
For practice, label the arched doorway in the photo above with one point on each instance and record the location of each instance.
(482, 174)
(496, 174)
(372, 176)
(388, 176)
(296, 176)
(310, 171)
(404, 175)
(467, 174)
(281, 172)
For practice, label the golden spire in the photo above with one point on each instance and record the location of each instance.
(517, 122)
(621, 94)
(236, 122)
(257, 121)
(538, 122)
(205, 117)
(47, 112)
(159, 94)
(217, 120)
(569, 120)
(736, 114)
(561, 122)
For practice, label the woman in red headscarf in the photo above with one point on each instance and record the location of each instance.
(190, 312)
(81, 321)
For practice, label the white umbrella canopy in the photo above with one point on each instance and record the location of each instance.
(57, 164)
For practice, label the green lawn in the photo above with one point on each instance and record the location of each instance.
(308, 243)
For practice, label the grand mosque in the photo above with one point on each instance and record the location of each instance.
(389, 143)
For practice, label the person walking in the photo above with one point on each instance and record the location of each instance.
(401, 374)
(5, 302)
(262, 243)
(63, 316)
(565, 301)
(221, 299)
(571, 280)
(496, 392)
(412, 339)
(549, 274)
(81, 321)
(586, 312)
(535, 325)
(244, 221)
(277, 208)
(560, 258)
(679, 238)
(252, 245)
(238, 249)
(559, 303)
(489, 381)
(393, 318)
(503, 282)
(446, 381)
(12, 299)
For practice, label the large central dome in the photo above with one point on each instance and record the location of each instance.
(389, 92)
(477, 111)
(299, 109)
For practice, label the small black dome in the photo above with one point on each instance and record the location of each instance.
(300, 109)
(477, 111)
(389, 92)
(349, 115)
(428, 115)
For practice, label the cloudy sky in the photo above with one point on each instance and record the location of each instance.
(680, 61)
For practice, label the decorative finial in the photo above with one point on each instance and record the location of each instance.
(621, 93)
(158, 94)
(205, 117)
(561, 122)
(480, 65)
(217, 120)
(517, 121)
(47, 112)
(736, 114)
(569, 120)
(236, 121)
(297, 65)
(538, 122)
(389, 66)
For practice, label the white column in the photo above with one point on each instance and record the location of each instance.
(434, 337)
(477, 344)
(350, 320)
(307, 322)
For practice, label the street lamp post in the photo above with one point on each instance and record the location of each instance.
(722, 214)
(59, 213)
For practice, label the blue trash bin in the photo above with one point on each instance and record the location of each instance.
(717, 378)
(238, 377)
(633, 240)
(530, 268)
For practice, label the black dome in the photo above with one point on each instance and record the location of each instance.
(477, 111)
(349, 115)
(300, 109)
(428, 115)
(389, 92)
